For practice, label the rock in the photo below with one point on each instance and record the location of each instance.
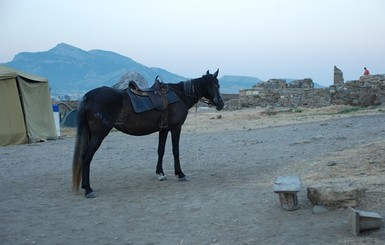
(335, 194)
(131, 76)
(331, 163)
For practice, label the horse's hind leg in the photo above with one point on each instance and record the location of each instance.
(93, 146)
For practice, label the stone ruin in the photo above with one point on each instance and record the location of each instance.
(368, 90)
(338, 76)
(277, 92)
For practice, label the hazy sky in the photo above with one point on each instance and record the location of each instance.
(260, 38)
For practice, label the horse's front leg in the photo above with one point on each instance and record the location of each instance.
(161, 148)
(175, 136)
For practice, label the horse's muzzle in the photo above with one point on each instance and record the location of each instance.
(219, 104)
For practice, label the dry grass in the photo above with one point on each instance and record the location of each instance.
(363, 166)
(210, 120)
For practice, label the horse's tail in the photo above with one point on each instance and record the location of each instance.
(81, 143)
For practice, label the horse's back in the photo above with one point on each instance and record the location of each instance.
(103, 91)
(104, 96)
(104, 102)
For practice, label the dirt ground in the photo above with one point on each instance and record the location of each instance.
(231, 159)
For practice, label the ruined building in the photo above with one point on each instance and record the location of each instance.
(368, 90)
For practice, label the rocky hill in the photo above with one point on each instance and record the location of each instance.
(71, 70)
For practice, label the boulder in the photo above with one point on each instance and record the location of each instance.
(131, 76)
(335, 194)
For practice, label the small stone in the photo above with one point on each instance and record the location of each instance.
(331, 163)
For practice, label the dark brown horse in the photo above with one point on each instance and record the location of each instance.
(105, 108)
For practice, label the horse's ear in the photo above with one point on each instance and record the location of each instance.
(207, 72)
(216, 73)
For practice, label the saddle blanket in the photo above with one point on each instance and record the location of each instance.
(144, 103)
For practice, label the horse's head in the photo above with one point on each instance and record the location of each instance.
(211, 91)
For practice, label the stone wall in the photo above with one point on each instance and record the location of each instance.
(368, 90)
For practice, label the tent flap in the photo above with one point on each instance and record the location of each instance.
(38, 112)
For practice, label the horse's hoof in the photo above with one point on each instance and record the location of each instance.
(90, 195)
(162, 177)
(182, 178)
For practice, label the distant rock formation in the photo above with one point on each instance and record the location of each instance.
(131, 76)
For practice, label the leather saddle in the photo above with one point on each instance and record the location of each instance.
(135, 88)
(158, 97)
(157, 93)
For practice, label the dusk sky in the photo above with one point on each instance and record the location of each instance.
(259, 38)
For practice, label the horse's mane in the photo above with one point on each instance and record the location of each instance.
(194, 87)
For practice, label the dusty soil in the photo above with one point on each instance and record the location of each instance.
(231, 159)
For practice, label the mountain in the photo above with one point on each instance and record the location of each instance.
(73, 70)
(232, 84)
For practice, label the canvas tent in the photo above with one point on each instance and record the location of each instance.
(25, 108)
